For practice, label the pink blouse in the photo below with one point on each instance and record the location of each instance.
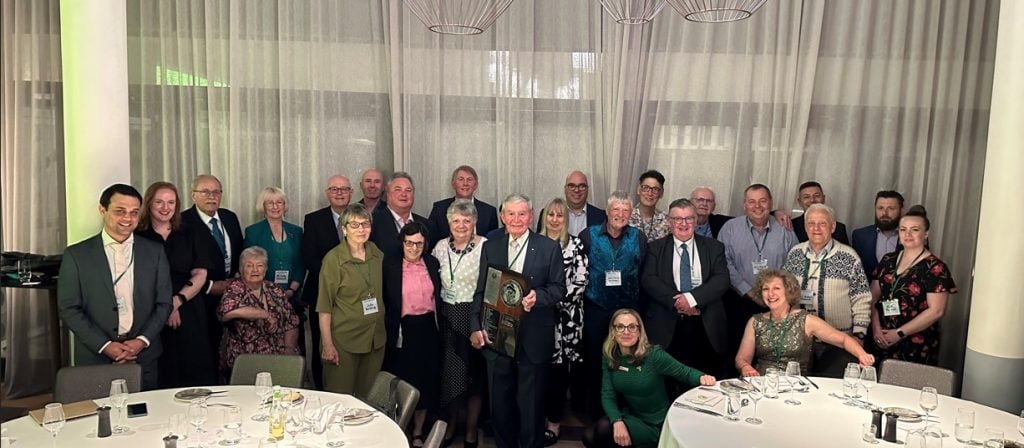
(417, 289)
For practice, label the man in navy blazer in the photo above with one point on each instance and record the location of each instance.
(517, 383)
(687, 316)
(464, 182)
(582, 214)
(810, 193)
(708, 222)
(874, 241)
(114, 290)
(320, 235)
(388, 220)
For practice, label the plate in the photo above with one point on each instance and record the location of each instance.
(904, 414)
(735, 386)
(358, 416)
(186, 395)
(292, 397)
(1007, 443)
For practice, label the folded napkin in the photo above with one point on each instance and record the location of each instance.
(709, 399)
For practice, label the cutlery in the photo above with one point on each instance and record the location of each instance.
(711, 389)
(812, 382)
(694, 408)
(751, 383)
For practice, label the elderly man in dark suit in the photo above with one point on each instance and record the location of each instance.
(872, 242)
(389, 220)
(684, 279)
(114, 290)
(808, 194)
(464, 183)
(220, 235)
(708, 222)
(320, 235)
(517, 383)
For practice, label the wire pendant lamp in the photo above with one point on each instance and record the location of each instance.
(716, 10)
(633, 12)
(458, 16)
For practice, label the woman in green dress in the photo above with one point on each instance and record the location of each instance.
(634, 375)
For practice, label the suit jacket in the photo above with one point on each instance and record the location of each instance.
(594, 216)
(85, 298)
(800, 229)
(190, 220)
(486, 218)
(320, 236)
(543, 267)
(717, 221)
(392, 296)
(659, 286)
(385, 235)
(865, 240)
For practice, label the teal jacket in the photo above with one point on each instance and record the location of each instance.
(283, 256)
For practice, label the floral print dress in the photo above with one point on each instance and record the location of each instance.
(911, 289)
(254, 336)
(569, 331)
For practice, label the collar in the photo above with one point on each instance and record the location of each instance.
(582, 212)
(110, 241)
(334, 214)
(767, 224)
(689, 244)
(522, 238)
(417, 263)
(887, 233)
(809, 252)
(397, 217)
(206, 218)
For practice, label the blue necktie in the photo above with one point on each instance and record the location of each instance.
(685, 282)
(218, 236)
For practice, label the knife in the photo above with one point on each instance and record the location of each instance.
(812, 382)
(694, 408)
(751, 383)
(711, 389)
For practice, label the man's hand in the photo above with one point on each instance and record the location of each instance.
(174, 319)
(529, 301)
(784, 219)
(683, 306)
(119, 353)
(478, 339)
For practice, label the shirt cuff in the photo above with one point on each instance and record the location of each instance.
(104, 347)
(144, 340)
(209, 286)
(690, 299)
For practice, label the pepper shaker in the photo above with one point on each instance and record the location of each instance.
(171, 441)
(876, 419)
(103, 422)
(890, 427)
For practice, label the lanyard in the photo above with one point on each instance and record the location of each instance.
(125, 271)
(776, 341)
(513, 262)
(821, 262)
(764, 239)
(451, 269)
(895, 274)
(364, 271)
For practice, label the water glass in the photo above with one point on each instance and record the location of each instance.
(53, 420)
(232, 426)
(197, 413)
(932, 439)
(993, 438)
(771, 383)
(177, 426)
(851, 376)
(732, 406)
(964, 425)
(867, 433)
(312, 410)
(119, 398)
(868, 379)
(336, 431)
(296, 420)
(793, 375)
(755, 395)
(264, 384)
(915, 439)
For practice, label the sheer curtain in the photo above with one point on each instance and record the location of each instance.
(32, 187)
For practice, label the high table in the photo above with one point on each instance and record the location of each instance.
(820, 421)
(149, 430)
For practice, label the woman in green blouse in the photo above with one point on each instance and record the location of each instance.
(350, 308)
(282, 240)
(634, 374)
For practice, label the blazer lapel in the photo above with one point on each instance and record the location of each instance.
(102, 267)
(501, 257)
(531, 253)
(705, 258)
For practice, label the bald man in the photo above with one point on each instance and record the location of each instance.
(581, 213)
(372, 185)
(708, 222)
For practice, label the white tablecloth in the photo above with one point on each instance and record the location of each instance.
(821, 421)
(148, 431)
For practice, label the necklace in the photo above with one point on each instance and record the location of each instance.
(468, 249)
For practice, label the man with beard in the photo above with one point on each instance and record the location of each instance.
(874, 241)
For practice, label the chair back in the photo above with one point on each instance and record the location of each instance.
(916, 376)
(286, 370)
(92, 382)
(436, 435)
(394, 397)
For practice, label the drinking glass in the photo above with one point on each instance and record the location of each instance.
(850, 378)
(867, 433)
(755, 395)
(264, 385)
(929, 402)
(868, 379)
(732, 406)
(24, 272)
(53, 420)
(197, 413)
(118, 398)
(177, 426)
(232, 426)
(296, 420)
(336, 432)
(915, 439)
(993, 438)
(312, 411)
(792, 374)
(932, 439)
(964, 425)
(771, 383)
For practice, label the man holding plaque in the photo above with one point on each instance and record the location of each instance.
(519, 269)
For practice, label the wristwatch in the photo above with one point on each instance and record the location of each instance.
(900, 333)
(180, 296)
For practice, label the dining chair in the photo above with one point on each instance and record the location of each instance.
(91, 382)
(436, 435)
(916, 376)
(285, 370)
(393, 396)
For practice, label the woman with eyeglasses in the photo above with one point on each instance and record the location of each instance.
(412, 294)
(350, 308)
(283, 243)
(634, 372)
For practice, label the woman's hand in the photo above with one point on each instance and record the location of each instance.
(866, 360)
(328, 354)
(174, 319)
(749, 370)
(707, 380)
(621, 434)
(887, 338)
(270, 321)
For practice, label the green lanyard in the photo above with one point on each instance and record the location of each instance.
(821, 264)
(895, 272)
(513, 262)
(776, 341)
(364, 271)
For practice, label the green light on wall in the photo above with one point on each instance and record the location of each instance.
(171, 77)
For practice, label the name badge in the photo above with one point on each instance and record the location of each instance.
(890, 308)
(759, 265)
(281, 277)
(122, 306)
(807, 298)
(449, 296)
(613, 278)
(370, 306)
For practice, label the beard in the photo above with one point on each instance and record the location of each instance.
(886, 225)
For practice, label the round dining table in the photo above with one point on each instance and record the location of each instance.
(149, 431)
(821, 420)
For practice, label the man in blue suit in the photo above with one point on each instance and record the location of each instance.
(581, 213)
(517, 383)
(874, 241)
(464, 182)
(114, 290)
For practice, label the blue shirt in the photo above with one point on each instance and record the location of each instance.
(744, 245)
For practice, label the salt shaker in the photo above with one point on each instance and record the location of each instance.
(876, 419)
(171, 441)
(103, 422)
(890, 427)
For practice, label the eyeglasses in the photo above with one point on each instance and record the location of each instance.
(703, 201)
(413, 244)
(679, 219)
(209, 193)
(633, 327)
(339, 190)
(577, 187)
(650, 189)
(358, 225)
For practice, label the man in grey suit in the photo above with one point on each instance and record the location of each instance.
(684, 278)
(114, 290)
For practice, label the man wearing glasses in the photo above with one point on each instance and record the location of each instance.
(708, 222)
(646, 216)
(581, 213)
(220, 235)
(320, 234)
(685, 276)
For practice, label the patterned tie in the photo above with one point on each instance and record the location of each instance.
(685, 282)
(218, 236)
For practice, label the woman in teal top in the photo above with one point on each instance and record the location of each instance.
(281, 240)
(634, 375)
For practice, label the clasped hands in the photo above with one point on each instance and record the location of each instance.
(124, 352)
(683, 306)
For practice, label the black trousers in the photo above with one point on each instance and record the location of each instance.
(595, 329)
(556, 391)
(517, 400)
(690, 345)
(314, 331)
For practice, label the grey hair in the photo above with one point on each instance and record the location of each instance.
(461, 207)
(822, 208)
(516, 197)
(400, 175)
(619, 197)
(356, 210)
(202, 177)
(702, 187)
(253, 251)
(682, 203)
(268, 193)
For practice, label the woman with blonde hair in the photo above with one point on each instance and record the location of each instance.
(283, 243)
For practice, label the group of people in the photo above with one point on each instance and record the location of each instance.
(376, 286)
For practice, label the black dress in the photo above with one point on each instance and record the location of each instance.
(187, 359)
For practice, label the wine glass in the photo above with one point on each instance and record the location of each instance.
(929, 401)
(53, 420)
(232, 426)
(312, 411)
(792, 374)
(771, 383)
(868, 379)
(850, 378)
(197, 413)
(336, 430)
(264, 385)
(755, 395)
(118, 398)
(296, 420)
(964, 425)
